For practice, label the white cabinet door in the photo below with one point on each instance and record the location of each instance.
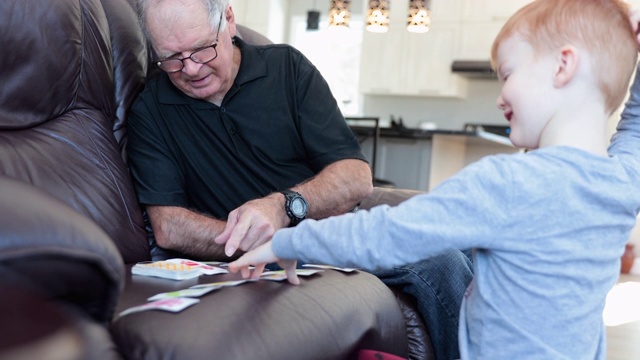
(490, 10)
(476, 39)
(428, 59)
(381, 62)
(403, 63)
(445, 11)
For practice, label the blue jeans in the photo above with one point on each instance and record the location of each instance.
(438, 285)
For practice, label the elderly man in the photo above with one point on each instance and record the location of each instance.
(233, 142)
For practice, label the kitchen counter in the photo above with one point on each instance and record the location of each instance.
(421, 159)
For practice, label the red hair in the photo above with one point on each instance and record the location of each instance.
(601, 27)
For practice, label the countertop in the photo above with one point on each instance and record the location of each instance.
(497, 135)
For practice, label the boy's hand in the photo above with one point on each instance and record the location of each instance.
(259, 257)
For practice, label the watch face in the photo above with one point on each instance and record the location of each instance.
(298, 207)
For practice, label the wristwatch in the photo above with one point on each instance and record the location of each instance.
(295, 205)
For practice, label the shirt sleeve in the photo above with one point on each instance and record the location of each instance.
(324, 131)
(626, 140)
(157, 178)
(469, 210)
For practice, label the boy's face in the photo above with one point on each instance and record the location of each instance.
(527, 86)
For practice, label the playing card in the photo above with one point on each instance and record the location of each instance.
(172, 305)
(299, 272)
(191, 293)
(347, 270)
(219, 284)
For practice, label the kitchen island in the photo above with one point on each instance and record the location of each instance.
(421, 159)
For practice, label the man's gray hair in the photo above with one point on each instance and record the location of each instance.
(214, 7)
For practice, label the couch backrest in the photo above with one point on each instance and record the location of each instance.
(69, 69)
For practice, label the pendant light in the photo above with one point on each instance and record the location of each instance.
(419, 19)
(378, 16)
(340, 13)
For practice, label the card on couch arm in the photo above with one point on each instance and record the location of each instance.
(175, 269)
(165, 269)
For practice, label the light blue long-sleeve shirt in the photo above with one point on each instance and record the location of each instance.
(548, 228)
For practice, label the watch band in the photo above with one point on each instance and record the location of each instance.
(295, 206)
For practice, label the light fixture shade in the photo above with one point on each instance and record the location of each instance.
(340, 13)
(419, 19)
(378, 16)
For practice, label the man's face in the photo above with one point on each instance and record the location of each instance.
(178, 28)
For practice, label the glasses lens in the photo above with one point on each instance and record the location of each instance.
(170, 65)
(205, 55)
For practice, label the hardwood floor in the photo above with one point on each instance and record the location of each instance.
(622, 317)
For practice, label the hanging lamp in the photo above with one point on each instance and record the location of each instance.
(378, 16)
(419, 19)
(340, 13)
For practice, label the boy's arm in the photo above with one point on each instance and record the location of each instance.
(626, 140)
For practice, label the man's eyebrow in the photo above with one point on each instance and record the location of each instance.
(199, 46)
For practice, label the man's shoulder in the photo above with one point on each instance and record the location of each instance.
(283, 50)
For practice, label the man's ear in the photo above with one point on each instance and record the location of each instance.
(231, 21)
(568, 62)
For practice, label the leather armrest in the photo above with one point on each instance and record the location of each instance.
(52, 250)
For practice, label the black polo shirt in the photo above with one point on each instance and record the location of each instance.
(277, 126)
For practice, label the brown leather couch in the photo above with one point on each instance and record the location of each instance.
(71, 229)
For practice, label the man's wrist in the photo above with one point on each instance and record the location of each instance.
(295, 206)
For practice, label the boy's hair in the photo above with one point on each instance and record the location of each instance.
(601, 27)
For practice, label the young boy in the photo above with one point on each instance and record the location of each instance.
(547, 226)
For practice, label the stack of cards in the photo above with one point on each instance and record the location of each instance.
(175, 269)
(165, 269)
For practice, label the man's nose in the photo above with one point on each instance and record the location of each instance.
(190, 66)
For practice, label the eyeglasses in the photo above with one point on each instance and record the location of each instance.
(199, 56)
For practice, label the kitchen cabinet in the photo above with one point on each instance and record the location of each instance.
(477, 38)
(403, 161)
(402, 63)
(490, 10)
(481, 21)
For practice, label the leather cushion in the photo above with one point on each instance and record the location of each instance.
(50, 249)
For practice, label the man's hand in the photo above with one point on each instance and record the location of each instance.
(260, 257)
(252, 224)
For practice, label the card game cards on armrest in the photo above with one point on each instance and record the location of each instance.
(166, 269)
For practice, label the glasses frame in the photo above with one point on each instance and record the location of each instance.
(195, 51)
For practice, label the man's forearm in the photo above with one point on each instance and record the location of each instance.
(188, 232)
(338, 188)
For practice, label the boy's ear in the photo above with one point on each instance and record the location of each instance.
(567, 65)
